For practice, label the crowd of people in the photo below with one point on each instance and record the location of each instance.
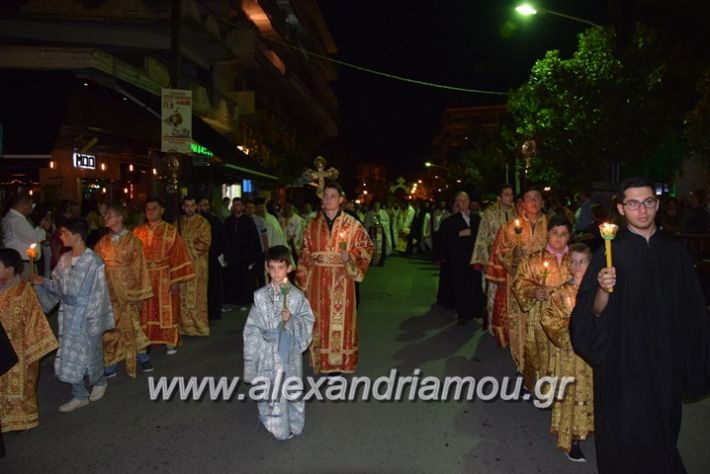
(530, 267)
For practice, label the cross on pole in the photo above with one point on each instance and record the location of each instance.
(320, 174)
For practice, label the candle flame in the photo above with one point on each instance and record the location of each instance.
(517, 222)
(546, 264)
(33, 246)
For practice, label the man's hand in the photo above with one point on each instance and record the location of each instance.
(344, 256)
(517, 252)
(465, 233)
(285, 315)
(607, 278)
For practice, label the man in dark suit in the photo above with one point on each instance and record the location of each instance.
(458, 238)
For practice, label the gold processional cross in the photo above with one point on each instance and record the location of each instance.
(320, 174)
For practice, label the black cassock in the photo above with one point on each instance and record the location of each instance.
(648, 348)
(8, 359)
(214, 281)
(456, 271)
(242, 251)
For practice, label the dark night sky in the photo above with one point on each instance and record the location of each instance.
(480, 44)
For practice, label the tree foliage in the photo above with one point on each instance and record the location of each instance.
(604, 106)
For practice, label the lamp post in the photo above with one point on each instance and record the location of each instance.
(528, 10)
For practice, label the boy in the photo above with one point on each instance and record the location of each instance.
(78, 283)
(278, 330)
(573, 415)
(32, 339)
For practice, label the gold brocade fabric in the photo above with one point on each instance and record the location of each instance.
(531, 276)
(529, 241)
(492, 219)
(329, 285)
(128, 285)
(197, 235)
(168, 262)
(573, 416)
(31, 338)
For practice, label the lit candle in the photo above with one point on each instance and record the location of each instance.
(545, 264)
(518, 230)
(32, 254)
(608, 232)
(342, 244)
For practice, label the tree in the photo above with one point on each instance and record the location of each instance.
(601, 107)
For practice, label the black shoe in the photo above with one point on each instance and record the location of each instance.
(146, 366)
(575, 454)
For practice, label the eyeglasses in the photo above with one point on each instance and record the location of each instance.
(648, 203)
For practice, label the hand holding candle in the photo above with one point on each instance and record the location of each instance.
(285, 288)
(545, 265)
(342, 243)
(608, 232)
(32, 255)
(518, 230)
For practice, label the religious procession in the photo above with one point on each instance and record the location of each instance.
(540, 280)
(327, 236)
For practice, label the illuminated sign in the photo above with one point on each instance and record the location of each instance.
(87, 162)
(246, 185)
(200, 150)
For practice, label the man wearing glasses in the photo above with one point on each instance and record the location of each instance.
(643, 327)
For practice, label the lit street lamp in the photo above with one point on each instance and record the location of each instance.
(528, 10)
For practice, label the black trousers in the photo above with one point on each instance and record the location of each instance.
(214, 290)
(467, 292)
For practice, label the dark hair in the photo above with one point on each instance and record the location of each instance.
(581, 248)
(329, 183)
(156, 200)
(559, 220)
(247, 201)
(237, 199)
(11, 258)
(634, 182)
(118, 209)
(503, 187)
(529, 189)
(77, 226)
(189, 197)
(20, 198)
(279, 253)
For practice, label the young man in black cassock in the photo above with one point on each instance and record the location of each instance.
(8, 359)
(648, 340)
(242, 254)
(458, 239)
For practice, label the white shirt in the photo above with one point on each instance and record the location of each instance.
(19, 234)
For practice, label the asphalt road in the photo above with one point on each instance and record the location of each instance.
(400, 329)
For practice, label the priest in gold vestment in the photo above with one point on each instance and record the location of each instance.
(31, 337)
(493, 218)
(520, 237)
(128, 286)
(539, 276)
(168, 265)
(196, 233)
(336, 253)
(573, 415)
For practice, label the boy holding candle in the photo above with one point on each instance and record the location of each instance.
(278, 330)
(648, 341)
(539, 276)
(78, 283)
(573, 414)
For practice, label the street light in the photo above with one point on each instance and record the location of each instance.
(527, 10)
